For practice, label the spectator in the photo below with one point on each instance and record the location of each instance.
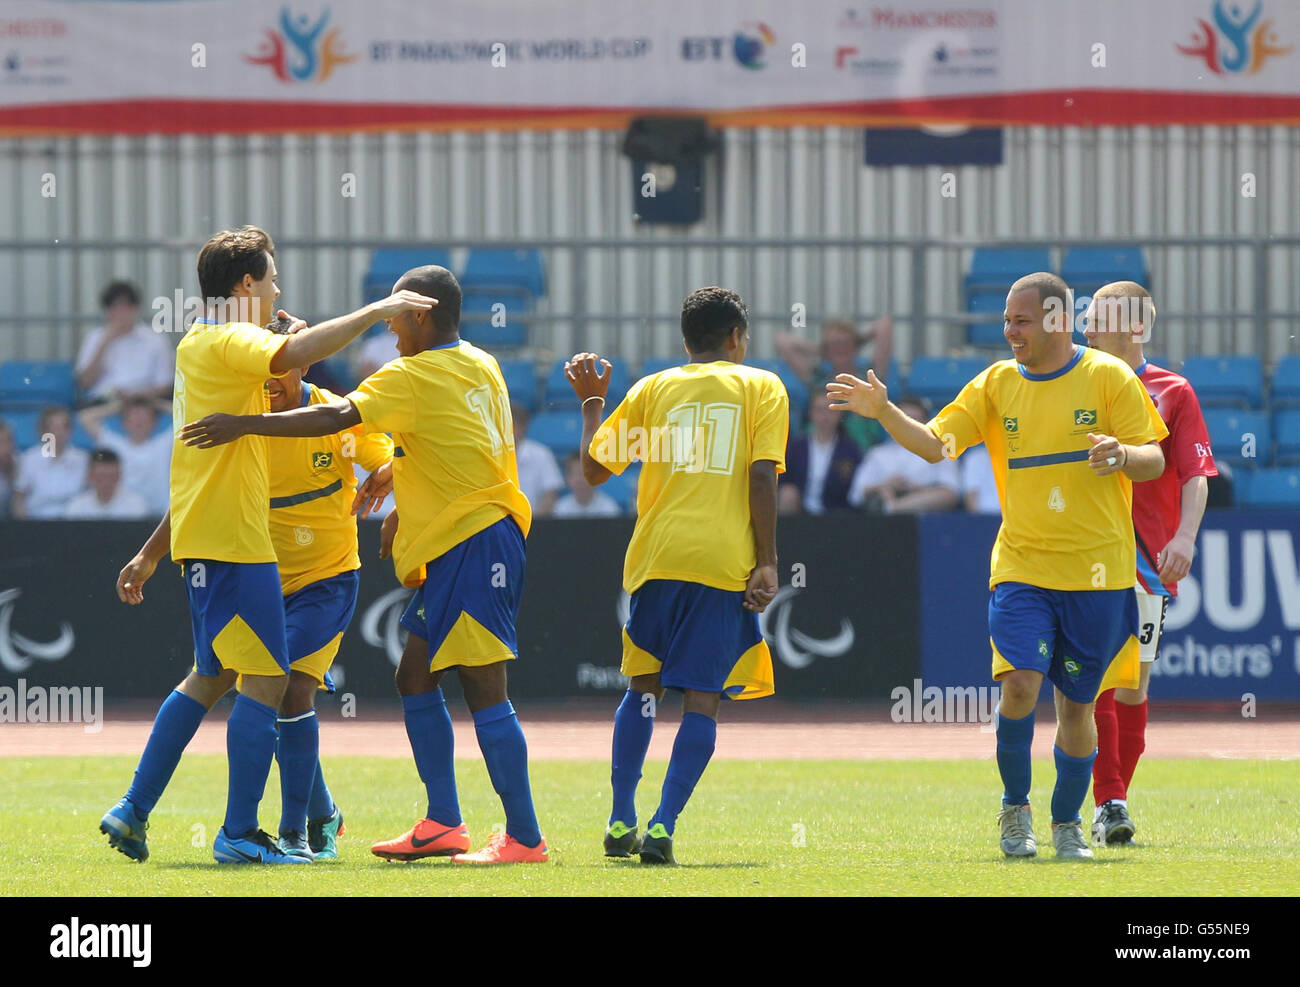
(979, 489)
(51, 472)
(107, 499)
(583, 500)
(819, 464)
(891, 480)
(379, 348)
(8, 468)
(146, 457)
(539, 473)
(124, 357)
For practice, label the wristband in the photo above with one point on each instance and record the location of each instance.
(594, 397)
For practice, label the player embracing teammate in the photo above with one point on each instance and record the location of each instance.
(1167, 514)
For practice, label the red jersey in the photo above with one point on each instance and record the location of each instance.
(1157, 503)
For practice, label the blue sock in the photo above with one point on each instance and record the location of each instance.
(297, 753)
(1015, 738)
(632, 729)
(428, 725)
(501, 740)
(1072, 777)
(696, 738)
(320, 804)
(174, 727)
(250, 747)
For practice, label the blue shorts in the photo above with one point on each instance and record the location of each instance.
(696, 637)
(467, 606)
(1079, 639)
(315, 618)
(237, 617)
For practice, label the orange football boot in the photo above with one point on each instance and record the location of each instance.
(505, 849)
(426, 838)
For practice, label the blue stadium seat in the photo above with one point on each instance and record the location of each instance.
(1085, 269)
(993, 269)
(654, 364)
(517, 272)
(1286, 383)
(1269, 488)
(1230, 431)
(521, 381)
(23, 421)
(986, 333)
(1226, 381)
(389, 264)
(558, 393)
(794, 387)
(560, 431)
(1286, 430)
(938, 379)
(476, 316)
(34, 383)
(1160, 360)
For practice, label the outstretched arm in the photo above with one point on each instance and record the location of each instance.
(870, 399)
(306, 346)
(316, 419)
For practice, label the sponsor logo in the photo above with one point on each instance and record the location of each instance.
(17, 652)
(36, 28)
(381, 624)
(887, 18)
(303, 535)
(1043, 649)
(850, 58)
(322, 460)
(792, 646)
(302, 50)
(1238, 42)
(1085, 416)
(749, 45)
(510, 50)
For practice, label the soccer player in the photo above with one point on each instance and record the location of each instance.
(459, 542)
(1167, 514)
(217, 530)
(1068, 430)
(701, 564)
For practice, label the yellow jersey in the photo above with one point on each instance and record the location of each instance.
(312, 488)
(219, 495)
(1062, 527)
(696, 429)
(454, 469)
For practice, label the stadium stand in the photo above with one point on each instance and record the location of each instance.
(1285, 392)
(1085, 269)
(560, 431)
(1273, 487)
(1242, 438)
(387, 265)
(1226, 381)
(36, 383)
(938, 379)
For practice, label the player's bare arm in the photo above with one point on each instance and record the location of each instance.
(762, 586)
(1175, 560)
(870, 399)
(387, 532)
(1108, 455)
(306, 346)
(316, 419)
(131, 580)
(588, 375)
(371, 494)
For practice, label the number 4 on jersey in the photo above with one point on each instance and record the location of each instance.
(1056, 500)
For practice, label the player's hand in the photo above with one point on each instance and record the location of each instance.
(387, 532)
(295, 324)
(1175, 559)
(214, 430)
(131, 580)
(1107, 455)
(866, 397)
(585, 375)
(371, 494)
(405, 300)
(761, 588)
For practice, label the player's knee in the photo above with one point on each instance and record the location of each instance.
(207, 689)
(265, 689)
(704, 703)
(299, 695)
(643, 684)
(1020, 691)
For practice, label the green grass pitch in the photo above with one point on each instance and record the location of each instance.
(792, 827)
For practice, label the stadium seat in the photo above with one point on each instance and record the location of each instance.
(1085, 269)
(654, 364)
(1285, 392)
(938, 379)
(1286, 430)
(993, 269)
(1269, 488)
(517, 272)
(35, 383)
(389, 264)
(521, 381)
(1160, 360)
(560, 431)
(24, 423)
(986, 333)
(558, 393)
(1230, 432)
(476, 317)
(1226, 381)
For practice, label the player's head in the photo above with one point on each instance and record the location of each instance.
(1038, 320)
(418, 330)
(56, 421)
(120, 301)
(237, 274)
(139, 418)
(715, 321)
(105, 474)
(1119, 319)
(285, 391)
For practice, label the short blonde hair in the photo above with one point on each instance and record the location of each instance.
(1145, 309)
